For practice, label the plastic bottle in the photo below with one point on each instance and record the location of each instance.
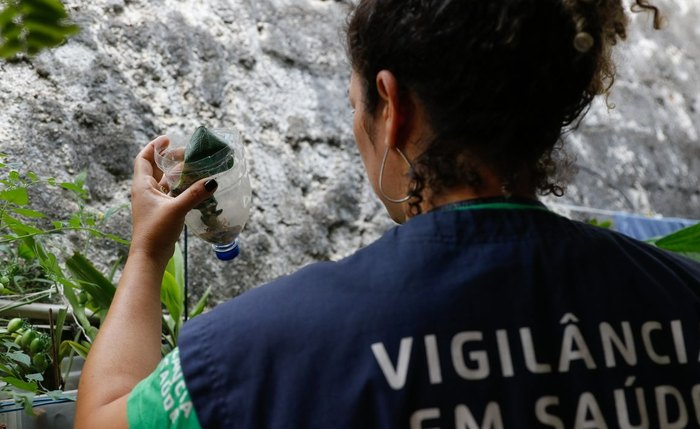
(220, 219)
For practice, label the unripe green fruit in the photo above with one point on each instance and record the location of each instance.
(27, 338)
(14, 325)
(37, 345)
(40, 361)
(4, 280)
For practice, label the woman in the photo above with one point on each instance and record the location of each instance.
(483, 309)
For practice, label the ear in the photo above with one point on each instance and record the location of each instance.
(391, 112)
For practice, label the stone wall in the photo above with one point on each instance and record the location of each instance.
(276, 71)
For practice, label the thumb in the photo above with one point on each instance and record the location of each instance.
(195, 194)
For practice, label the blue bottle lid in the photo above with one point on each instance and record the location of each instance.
(227, 252)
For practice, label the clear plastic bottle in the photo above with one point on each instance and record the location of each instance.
(220, 219)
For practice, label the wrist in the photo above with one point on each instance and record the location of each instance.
(157, 257)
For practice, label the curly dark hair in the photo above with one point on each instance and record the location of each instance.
(500, 80)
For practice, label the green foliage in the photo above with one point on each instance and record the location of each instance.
(35, 267)
(29, 26)
(24, 357)
(686, 242)
(607, 224)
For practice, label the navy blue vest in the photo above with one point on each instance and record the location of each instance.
(459, 319)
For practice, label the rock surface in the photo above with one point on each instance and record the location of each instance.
(276, 71)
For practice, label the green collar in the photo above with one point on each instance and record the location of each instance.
(494, 204)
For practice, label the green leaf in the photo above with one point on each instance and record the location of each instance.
(35, 377)
(91, 280)
(75, 221)
(58, 325)
(78, 310)
(11, 48)
(176, 266)
(112, 210)
(58, 395)
(201, 304)
(9, 344)
(11, 31)
(19, 227)
(29, 213)
(26, 400)
(170, 296)
(76, 189)
(54, 6)
(17, 196)
(7, 15)
(81, 349)
(36, 13)
(685, 240)
(38, 40)
(31, 387)
(20, 357)
(116, 238)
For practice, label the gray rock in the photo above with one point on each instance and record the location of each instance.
(276, 71)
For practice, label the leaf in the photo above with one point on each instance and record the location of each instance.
(78, 190)
(112, 210)
(78, 310)
(25, 400)
(54, 6)
(9, 344)
(58, 326)
(176, 265)
(81, 349)
(17, 196)
(35, 377)
(19, 227)
(29, 213)
(685, 240)
(75, 221)
(20, 357)
(91, 280)
(11, 31)
(7, 15)
(201, 304)
(11, 48)
(24, 385)
(170, 296)
(57, 395)
(116, 238)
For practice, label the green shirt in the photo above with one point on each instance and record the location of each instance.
(161, 400)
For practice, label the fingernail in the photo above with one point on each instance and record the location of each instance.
(210, 185)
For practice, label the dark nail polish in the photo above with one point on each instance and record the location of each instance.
(210, 185)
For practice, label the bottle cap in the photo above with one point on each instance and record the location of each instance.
(227, 252)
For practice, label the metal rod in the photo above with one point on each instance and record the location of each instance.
(184, 256)
(35, 310)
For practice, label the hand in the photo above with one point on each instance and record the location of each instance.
(157, 219)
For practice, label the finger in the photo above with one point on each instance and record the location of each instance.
(160, 145)
(142, 164)
(195, 195)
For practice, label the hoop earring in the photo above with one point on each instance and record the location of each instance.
(381, 178)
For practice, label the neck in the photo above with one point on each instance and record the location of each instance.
(466, 195)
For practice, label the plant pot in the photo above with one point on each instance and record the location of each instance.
(49, 414)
